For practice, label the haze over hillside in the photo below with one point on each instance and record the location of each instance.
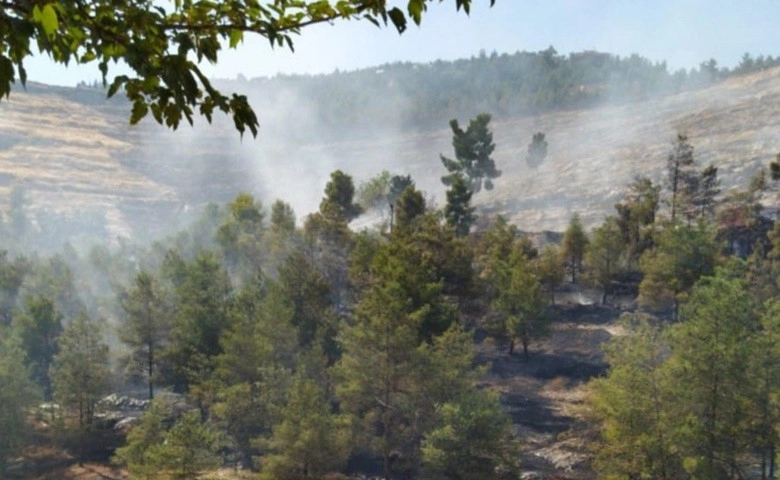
(76, 158)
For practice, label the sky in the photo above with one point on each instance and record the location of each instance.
(681, 32)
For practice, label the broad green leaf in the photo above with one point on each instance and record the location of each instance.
(416, 8)
(398, 18)
(48, 19)
(6, 72)
(138, 112)
(236, 37)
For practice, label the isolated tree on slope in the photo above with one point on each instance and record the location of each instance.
(537, 150)
(473, 149)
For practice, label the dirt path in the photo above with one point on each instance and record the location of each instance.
(545, 394)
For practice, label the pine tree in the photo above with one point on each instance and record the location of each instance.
(240, 234)
(711, 350)
(680, 174)
(204, 293)
(474, 439)
(636, 215)
(377, 365)
(537, 150)
(682, 254)
(17, 394)
(182, 452)
(308, 440)
(147, 327)
(550, 269)
(458, 211)
(635, 404)
(38, 327)
(473, 150)
(519, 300)
(339, 198)
(409, 205)
(80, 373)
(282, 218)
(574, 245)
(763, 375)
(604, 255)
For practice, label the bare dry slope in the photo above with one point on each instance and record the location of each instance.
(72, 155)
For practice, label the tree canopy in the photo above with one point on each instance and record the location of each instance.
(163, 45)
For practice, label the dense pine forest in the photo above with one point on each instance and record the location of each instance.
(257, 343)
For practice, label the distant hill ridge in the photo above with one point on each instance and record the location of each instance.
(79, 163)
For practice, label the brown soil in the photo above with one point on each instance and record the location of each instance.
(72, 155)
(545, 393)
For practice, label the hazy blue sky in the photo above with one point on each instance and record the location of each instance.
(682, 32)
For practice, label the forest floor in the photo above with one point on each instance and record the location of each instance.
(544, 394)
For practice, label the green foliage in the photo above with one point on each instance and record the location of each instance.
(18, 393)
(409, 206)
(473, 150)
(550, 268)
(307, 293)
(636, 218)
(635, 405)
(698, 400)
(282, 217)
(574, 245)
(458, 211)
(337, 209)
(141, 438)
(12, 275)
(54, 279)
(251, 376)
(495, 245)
(375, 193)
(339, 196)
(537, 150)
(188, 448)
(682, 254)
(604, 255)
(80, 372)
(309, 440)
(203, 293)
(678, 166)
(146, 329)
(474, 439)
(38, 327)
(518, 300)
(712, 349)
(183, 451)
(241, 232)
(376, 369)
(167, 45)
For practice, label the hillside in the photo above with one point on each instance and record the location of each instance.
(76, 158)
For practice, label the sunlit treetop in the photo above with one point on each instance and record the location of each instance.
(163, 43)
